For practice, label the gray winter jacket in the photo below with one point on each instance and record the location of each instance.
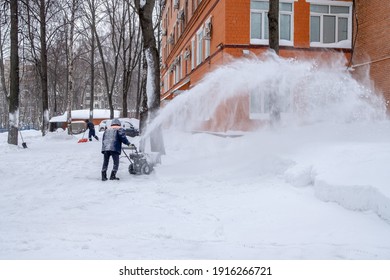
(113, 138)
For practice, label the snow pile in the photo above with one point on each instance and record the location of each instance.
(271, 194)
(357, 198)
(317, 188)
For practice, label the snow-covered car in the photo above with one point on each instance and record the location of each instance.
(78, 127)
(103, 125)
(129, 125)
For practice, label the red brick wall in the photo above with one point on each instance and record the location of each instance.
(302, 24)
(372, 49)
(206, 8)
(237, 22)
(230, 36)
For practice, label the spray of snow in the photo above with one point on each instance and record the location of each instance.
(315, 92)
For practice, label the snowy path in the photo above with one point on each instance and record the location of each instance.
(212, 198)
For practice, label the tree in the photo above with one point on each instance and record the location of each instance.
(43, 72)
(131, 53)
(110, 71)
(145, 13)
(36, 19)
(273, 19)
(14, 77)
(90, 10)
(92, 26)
(4, 43)
(70, 58)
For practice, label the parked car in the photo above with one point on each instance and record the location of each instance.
(103, 125)
(130, 126)
(78, 127)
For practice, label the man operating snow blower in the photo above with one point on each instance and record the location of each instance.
(113, 138)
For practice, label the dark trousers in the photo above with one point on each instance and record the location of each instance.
(91, 134)
(115, 158)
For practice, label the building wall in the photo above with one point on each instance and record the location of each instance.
(371, 56)
(230, 35)
(230, 38)
(237, 22)
(302, 24)
(197, 14)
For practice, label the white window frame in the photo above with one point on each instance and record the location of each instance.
(178, 69)
(193, 53)
(166, 84)
(263, 113)
(181, 64)
(199, 46)
(264, 13)
(206, 48)
(347, 44)
(207, 42)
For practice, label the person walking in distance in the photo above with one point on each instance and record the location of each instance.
(112, 141)
(91, 128)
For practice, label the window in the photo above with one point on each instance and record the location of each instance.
(207, 37)
(199, 47)
(206, 48)
(166, 85)
(259, 22)
(192, 53)
(265, 104)
(177, 69)
(331, 25)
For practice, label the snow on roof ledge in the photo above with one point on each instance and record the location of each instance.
(84, 114)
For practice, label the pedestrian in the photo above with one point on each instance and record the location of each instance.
(112, 141)
(91, 132)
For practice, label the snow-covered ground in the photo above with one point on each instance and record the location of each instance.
(316, 191)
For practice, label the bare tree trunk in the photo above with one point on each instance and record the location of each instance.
(145, 13)
(132, 52)
(273, 19)
(125, 85)
(143, 98)
(14, 77)
(139, 84)
(105, 73)
(92, 62)
(91, 16)
(45, 95)
(3, 85)
(70, 44)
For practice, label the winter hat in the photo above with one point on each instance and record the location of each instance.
(115, 122)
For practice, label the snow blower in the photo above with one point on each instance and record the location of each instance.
(140, 163)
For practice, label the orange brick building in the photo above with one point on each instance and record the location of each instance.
(371, 51)
(200, 35)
